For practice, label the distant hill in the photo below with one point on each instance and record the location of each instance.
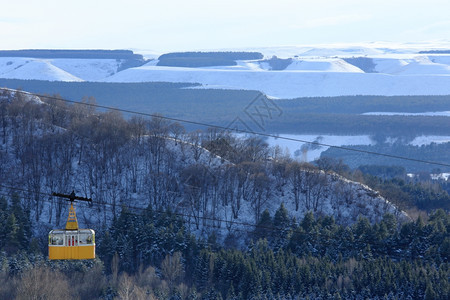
(66, 65)
(86, 54)
(283, 72)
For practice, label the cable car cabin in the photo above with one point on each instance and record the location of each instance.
(72, 242)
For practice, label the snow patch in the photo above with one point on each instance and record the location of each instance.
(323, 65)
(428, 139)
(310, 152)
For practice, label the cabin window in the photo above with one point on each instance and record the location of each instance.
(86, 238)
(57, 239)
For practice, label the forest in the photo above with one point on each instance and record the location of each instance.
(317, 115)
(160, 196)
(205, 59)
(433, 152)
(86, 54)
(151, 255)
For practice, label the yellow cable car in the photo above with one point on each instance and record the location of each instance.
(71, 242)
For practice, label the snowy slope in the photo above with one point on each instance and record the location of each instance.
(39, 69)
(440, 59)
(88, 69)
(57, 69)
(423, 65)
(345, 51)
(8, 95)
(389, 65)
(323, 65)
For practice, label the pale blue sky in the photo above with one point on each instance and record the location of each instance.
(174, 25)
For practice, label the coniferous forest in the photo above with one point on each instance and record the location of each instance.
(152, 256)
(158, 216)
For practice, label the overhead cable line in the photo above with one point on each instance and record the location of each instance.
(160, 212)
(237, 130)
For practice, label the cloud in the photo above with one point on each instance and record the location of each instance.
(437, 26)
(436, 30)
(333, 21)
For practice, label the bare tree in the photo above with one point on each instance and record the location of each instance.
(137, 128)
(4, 118)
(176, 131)
(261, 192)
(195, 186)
(172, 268)
(229, 189)
(128, 290)
(279, 171)
(252, 149)
(319, 189)
(195, 141)
(295, 175)
(43, 283)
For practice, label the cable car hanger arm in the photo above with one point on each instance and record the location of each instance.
(71, 197)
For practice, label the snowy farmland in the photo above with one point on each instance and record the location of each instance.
(324, 70)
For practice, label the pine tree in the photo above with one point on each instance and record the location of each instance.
(281, 221)
(430, 293)
(202, 269)
(12, 234)
(231, 294)
(22, 224)
(193, 295)
(264, 227)
(308, 222)
(281, 218)
(3, 221)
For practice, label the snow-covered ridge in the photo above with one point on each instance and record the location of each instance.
(324, 70)
(7, 95)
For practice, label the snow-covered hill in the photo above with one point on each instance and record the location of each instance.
(325, 70)
(30, 68)
(224, 195)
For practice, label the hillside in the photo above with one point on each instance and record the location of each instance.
(151, 162)
(205, 214)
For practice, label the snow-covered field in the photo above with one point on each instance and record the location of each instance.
(397, 69)
(292, 84)
(429, 114)
(426, 140)
(304, 151)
